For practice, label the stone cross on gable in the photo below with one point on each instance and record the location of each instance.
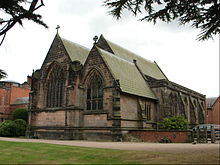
(95, 39)
(58, 26)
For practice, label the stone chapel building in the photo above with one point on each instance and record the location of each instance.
(102, 93)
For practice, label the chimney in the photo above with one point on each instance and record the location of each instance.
(29, 80)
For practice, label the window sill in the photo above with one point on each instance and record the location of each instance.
(91, 112)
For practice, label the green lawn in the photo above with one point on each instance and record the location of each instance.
(40, 153)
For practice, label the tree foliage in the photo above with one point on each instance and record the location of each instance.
(3, 74)
(15, 11)
(8, 128)
(20, 113)
(20, 127)
(174, 123)
(202, 14)
(13, 128)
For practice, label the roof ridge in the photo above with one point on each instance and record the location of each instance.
(113, 55)
(130, 51)
(148, 67)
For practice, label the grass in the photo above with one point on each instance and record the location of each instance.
(40, 153)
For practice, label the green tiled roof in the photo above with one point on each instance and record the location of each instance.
(126, 72)
(75, 51)
(147, 67)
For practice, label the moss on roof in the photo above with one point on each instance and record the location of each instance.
(126, 72)
(147, 67)
(75, 51)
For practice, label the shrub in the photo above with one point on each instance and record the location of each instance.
(8, 128)
(174, 123)
(13, 128)
(20, 113)
(20, 127)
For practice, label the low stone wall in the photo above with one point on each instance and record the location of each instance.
(161, 135)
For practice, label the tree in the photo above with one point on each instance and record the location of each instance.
(15, 11)
(202, 14)
(20, 113)
(3, 74)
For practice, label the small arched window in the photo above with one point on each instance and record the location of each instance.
(95, 94)
(55, 85)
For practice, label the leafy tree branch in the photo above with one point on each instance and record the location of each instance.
(3, 74)
(17, 11)
(201, 14)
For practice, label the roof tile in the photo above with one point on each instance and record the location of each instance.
(76, 52)
(128, 75)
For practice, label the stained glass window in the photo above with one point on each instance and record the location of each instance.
(95, 94)
(55, 85)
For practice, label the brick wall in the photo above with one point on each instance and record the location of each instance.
(8, 94)
(156, 136)
(216, 112)
(18, 92)
(213, 116)
(4, 103)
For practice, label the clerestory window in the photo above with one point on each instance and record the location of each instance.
(95, 94)
(55, 85)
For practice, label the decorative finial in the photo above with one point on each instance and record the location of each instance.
(58, 26)
(95, 39)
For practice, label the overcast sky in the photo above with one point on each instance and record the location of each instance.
(182, 58)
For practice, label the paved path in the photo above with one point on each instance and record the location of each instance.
(158, 147)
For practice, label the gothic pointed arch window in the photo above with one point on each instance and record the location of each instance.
(55, 85)
(95, 93)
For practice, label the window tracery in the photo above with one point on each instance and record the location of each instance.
(55, 85)
(95, 94)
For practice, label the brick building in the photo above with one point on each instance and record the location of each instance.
(102, 93)
(213, 110)
(12, 96)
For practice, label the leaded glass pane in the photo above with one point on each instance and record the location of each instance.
(100, 104)
(88, 93)
(88, 105)
(93, 105)
(100, 92)
(94, 92)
